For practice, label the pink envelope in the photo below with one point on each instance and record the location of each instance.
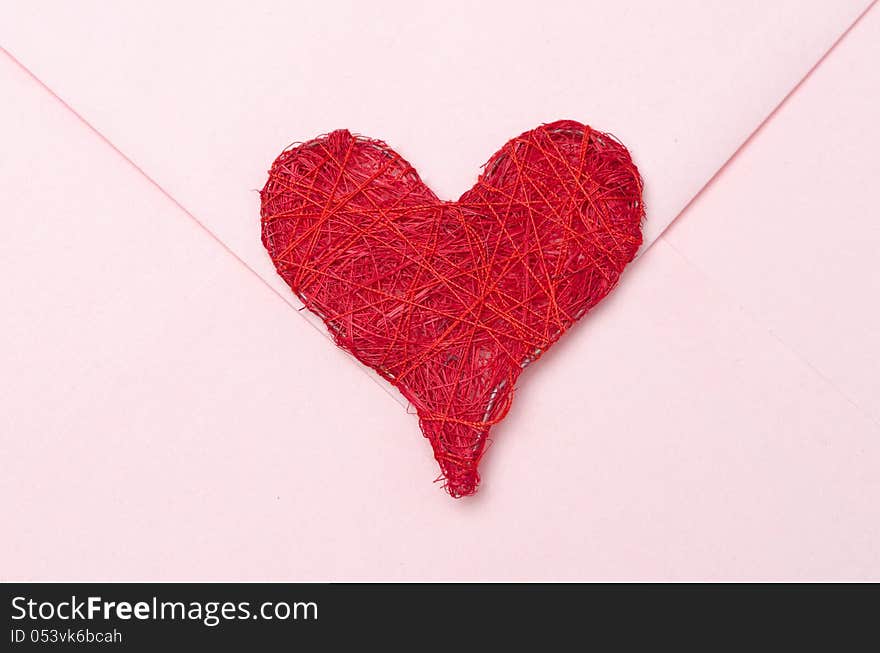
(715, 418)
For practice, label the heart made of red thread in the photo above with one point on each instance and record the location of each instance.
(450, 301)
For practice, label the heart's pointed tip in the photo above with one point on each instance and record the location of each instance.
(464, 485)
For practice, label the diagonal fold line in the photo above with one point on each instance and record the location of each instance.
(288, 300)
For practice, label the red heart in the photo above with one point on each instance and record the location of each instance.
(449, 301)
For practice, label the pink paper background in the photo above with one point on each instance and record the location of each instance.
(166, 417)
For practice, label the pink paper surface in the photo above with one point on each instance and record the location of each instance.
(166, 417)
(204, 95)
(790, 229)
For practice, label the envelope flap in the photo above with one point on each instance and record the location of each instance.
(203, 97)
